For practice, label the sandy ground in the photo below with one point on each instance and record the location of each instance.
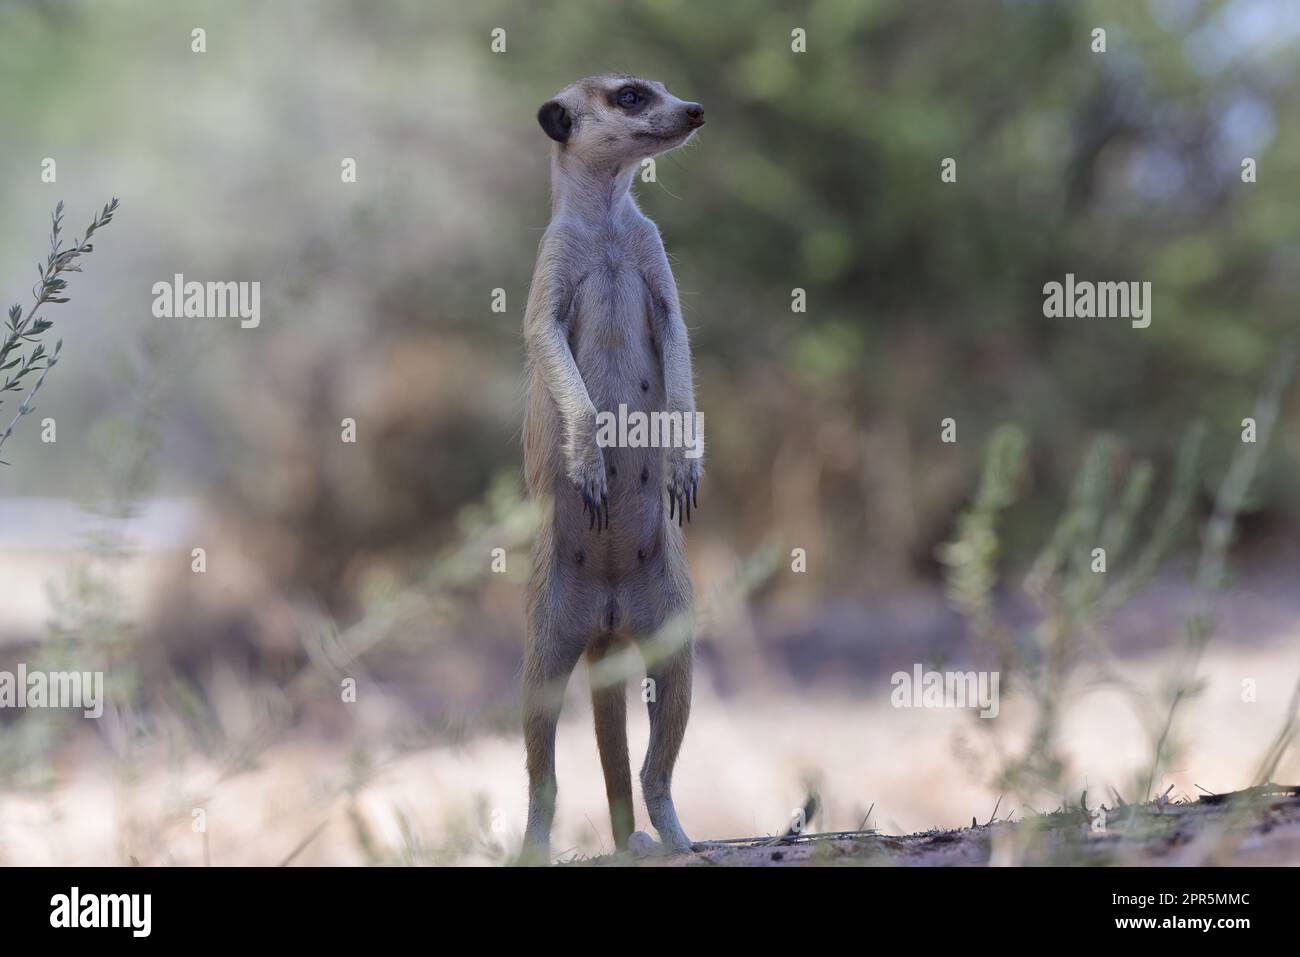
(741, 774)
(345, 793)
(1243, 830)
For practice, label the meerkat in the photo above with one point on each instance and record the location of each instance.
(603, 327)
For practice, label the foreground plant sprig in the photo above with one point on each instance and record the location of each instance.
(23, 331)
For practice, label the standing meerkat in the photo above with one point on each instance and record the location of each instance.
(604, 328)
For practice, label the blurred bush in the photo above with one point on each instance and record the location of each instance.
(818, 171)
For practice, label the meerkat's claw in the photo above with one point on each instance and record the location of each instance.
(591, 507)
(683, 481)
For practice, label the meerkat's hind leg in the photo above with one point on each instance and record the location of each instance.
(609, 706)
(551, 651)
(668, 665)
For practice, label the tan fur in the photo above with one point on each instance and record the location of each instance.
(603, 326)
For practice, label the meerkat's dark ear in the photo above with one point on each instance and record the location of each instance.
(555, 120)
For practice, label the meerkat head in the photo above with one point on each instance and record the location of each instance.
(613, 119)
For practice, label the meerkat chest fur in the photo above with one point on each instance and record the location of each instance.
(611, 322)
(610, 328)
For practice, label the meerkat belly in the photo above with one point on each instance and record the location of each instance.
(615, 352)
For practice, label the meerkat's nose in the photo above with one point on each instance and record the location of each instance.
(695, 114)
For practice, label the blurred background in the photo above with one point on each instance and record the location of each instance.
(820, 171)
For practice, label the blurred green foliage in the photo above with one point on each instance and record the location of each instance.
(821, 171)
(817, 170)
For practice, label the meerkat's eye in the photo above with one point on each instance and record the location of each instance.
(629, 97)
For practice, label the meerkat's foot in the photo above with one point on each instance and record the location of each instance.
(677, 843)
(534, 854)
(641, 845)
(664, 818)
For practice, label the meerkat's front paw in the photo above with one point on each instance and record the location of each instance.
(587, 473)
(683, 485)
